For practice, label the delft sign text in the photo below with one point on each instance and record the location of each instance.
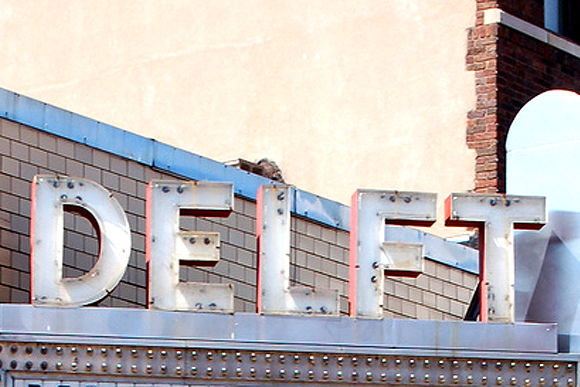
(167, 246)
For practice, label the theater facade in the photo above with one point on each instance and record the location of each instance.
(128, 262)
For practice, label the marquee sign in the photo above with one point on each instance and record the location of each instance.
(168, 247)
(189, 334)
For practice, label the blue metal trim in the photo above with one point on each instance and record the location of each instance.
(63, 123)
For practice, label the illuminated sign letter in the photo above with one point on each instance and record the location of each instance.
(275, 296)
(371, 257)
(51, 196)
(496, 216)
(168, 246)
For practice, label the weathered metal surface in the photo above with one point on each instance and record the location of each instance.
(50, 347)
(51, 195)
(437, 248)
(32, 364)
(168, 246)
(249, 329)
(370, 257)
(275, 296)
(496, 216)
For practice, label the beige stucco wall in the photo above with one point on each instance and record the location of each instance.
(341, 94)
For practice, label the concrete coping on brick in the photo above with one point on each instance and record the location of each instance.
(496, 15)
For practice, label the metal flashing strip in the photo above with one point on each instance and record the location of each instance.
(49, 347)
(252, 330)
(63, 123)
(436, 248)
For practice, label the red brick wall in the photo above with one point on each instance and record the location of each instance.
(529, 10)
(510, 69)
(481, 122)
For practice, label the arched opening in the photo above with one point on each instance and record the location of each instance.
(543, 158)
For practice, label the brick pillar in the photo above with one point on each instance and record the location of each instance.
(482, 122)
